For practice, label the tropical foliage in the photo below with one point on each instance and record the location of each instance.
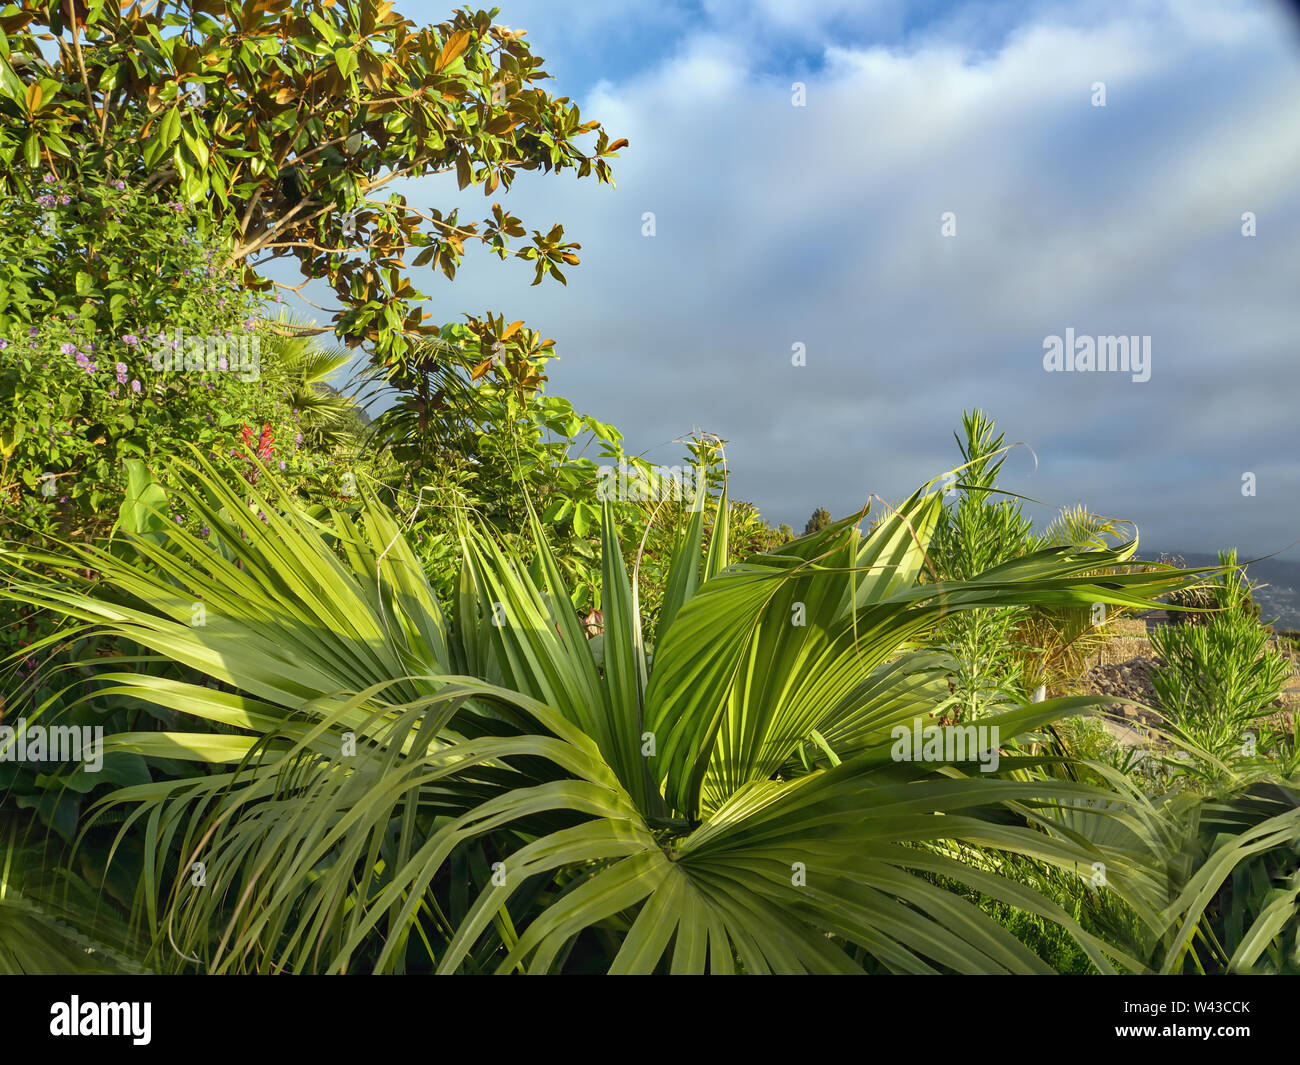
(977, 531)
(472, 687)
(1220, 680)
(722, 802)
(289, 118)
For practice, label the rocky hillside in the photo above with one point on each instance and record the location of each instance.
(1123, 667)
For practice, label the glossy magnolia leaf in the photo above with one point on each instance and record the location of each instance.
(346, 61)
(455, 47)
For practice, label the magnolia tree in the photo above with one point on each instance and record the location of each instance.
(289, 118)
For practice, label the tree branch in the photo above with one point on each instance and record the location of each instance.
(81, 63)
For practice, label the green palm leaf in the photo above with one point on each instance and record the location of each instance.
(371, 757)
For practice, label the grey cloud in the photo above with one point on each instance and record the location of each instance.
(821, 225)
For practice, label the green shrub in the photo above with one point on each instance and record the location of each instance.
(103, 272)
(977, 532)
(1219, 679)
(104, 286)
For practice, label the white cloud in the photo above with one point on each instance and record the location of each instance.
(821, 224)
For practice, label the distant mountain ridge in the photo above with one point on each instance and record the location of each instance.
(1278, 581)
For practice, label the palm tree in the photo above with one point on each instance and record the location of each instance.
(327, 417)
(42, 936)
(381, 785)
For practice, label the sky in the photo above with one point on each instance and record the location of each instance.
(823, 225)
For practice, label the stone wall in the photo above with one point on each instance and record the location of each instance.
(1121, 649)
(1122, 666)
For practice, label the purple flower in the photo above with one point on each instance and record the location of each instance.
(81, 358)
(221, 363)
(65, 199)
(119, 184)
(3, 343)
(32, 331)
(297, 438)
(67, 349)
(49, 179)
(135, 386)
(130, 340)
(120, 367)
(178, 520)
(121, 380)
